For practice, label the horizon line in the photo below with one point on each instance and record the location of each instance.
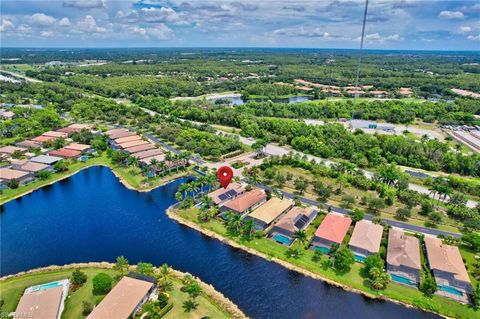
(237, 47)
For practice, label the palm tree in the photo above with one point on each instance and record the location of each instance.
(301, 237)
(184, 188)
(189, 305)
(164, 278)
(133, 160)
(207, 201)
(234, 222)
(248, 228)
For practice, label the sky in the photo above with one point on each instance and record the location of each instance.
(401, 24)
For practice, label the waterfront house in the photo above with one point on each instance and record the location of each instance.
(46, 159)
(7, 175)
(148, 160)
(222, 195)
(266, 214)
(403, 258)
(140, 148)
(448, 269)
(124, 300)
(33, 167)
(65, 153)
(297, 218)
(148, 153)
(45, 301)
(245, 202)
(366, 239)
(331, 231)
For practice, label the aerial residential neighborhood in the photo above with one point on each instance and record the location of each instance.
(239, 159)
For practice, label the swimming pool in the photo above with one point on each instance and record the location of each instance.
(403, 280)
(282, 239)
(450, 290)
(46, 286)
(360, 259)
(324, 250)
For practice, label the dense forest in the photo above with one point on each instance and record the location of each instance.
(333, 140)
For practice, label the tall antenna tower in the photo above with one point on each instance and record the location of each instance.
(359, 59)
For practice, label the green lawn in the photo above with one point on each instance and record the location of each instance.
(206, 307)
(12, 290)
(351, 279)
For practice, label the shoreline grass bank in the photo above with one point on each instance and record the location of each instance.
(351, 281)
(14, 285)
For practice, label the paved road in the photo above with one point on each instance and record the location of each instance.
(17, 75)
(409, 227)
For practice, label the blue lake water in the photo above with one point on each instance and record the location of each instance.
(92, 217)
(234, 100)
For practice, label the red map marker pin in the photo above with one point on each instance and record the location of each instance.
(224, 175)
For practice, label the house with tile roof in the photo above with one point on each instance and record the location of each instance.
(269, 212)
(448, 269)
(297, 218)
(403, 258)
(366, 239)
(245, 203)
(332, 230)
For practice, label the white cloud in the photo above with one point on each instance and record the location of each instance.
(84, 4)
(90, 25)
(376, 37)
(24, 28)
(64, 22)
(158, 32)
(474, 37)
(311, 32)
(465, 29)
(41, 20)
(451, 15)
(6, 25)
(46, 34)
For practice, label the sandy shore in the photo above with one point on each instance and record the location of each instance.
(171, 213)
(208, 289)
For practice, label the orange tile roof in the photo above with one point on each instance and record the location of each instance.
(246, 200)
(9, 174)
(127, 139)
(140, 148)
(66, 153)
(78, 147)
(42, 138)
(334, 227)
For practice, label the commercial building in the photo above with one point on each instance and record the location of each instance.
(403, 258)
(331, 231)
(296, 219)
(366, 239)
(269, 212)
(124, 300)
